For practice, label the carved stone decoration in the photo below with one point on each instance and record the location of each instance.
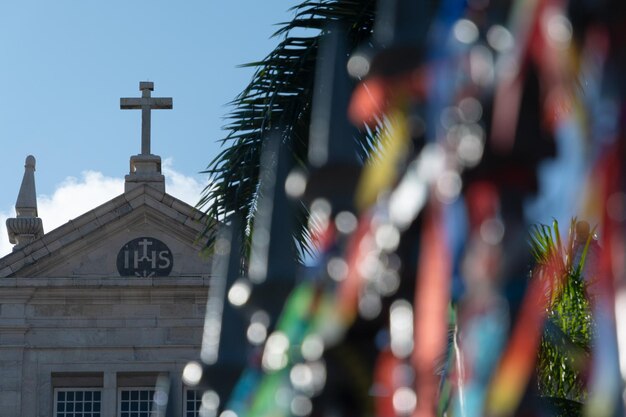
(145, 257)
(26, 226)
(24, 229)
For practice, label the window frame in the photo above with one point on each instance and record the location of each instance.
(198, 398)
(74, 389)
(130, 389)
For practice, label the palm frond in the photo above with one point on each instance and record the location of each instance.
(280, 93)
(565, 345)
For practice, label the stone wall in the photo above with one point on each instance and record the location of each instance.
(81, 326)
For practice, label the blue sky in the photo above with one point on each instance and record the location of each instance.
(66, 63)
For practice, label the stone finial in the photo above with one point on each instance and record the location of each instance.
(26, 204)
(26, 226)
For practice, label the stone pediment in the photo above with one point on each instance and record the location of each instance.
(143, 232)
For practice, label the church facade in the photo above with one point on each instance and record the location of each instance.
(95, 312)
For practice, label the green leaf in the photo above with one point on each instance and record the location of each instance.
(280, 93)
(566, 343)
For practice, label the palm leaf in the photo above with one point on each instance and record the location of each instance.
(279, 94)
(565, 345)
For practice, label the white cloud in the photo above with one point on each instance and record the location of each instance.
(5, 246)
(75, 196)
(181, 186)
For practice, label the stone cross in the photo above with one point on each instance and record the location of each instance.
(146, 103)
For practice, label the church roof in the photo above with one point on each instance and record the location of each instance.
(86, 245)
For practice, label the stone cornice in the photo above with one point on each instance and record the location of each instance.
(105, 282)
